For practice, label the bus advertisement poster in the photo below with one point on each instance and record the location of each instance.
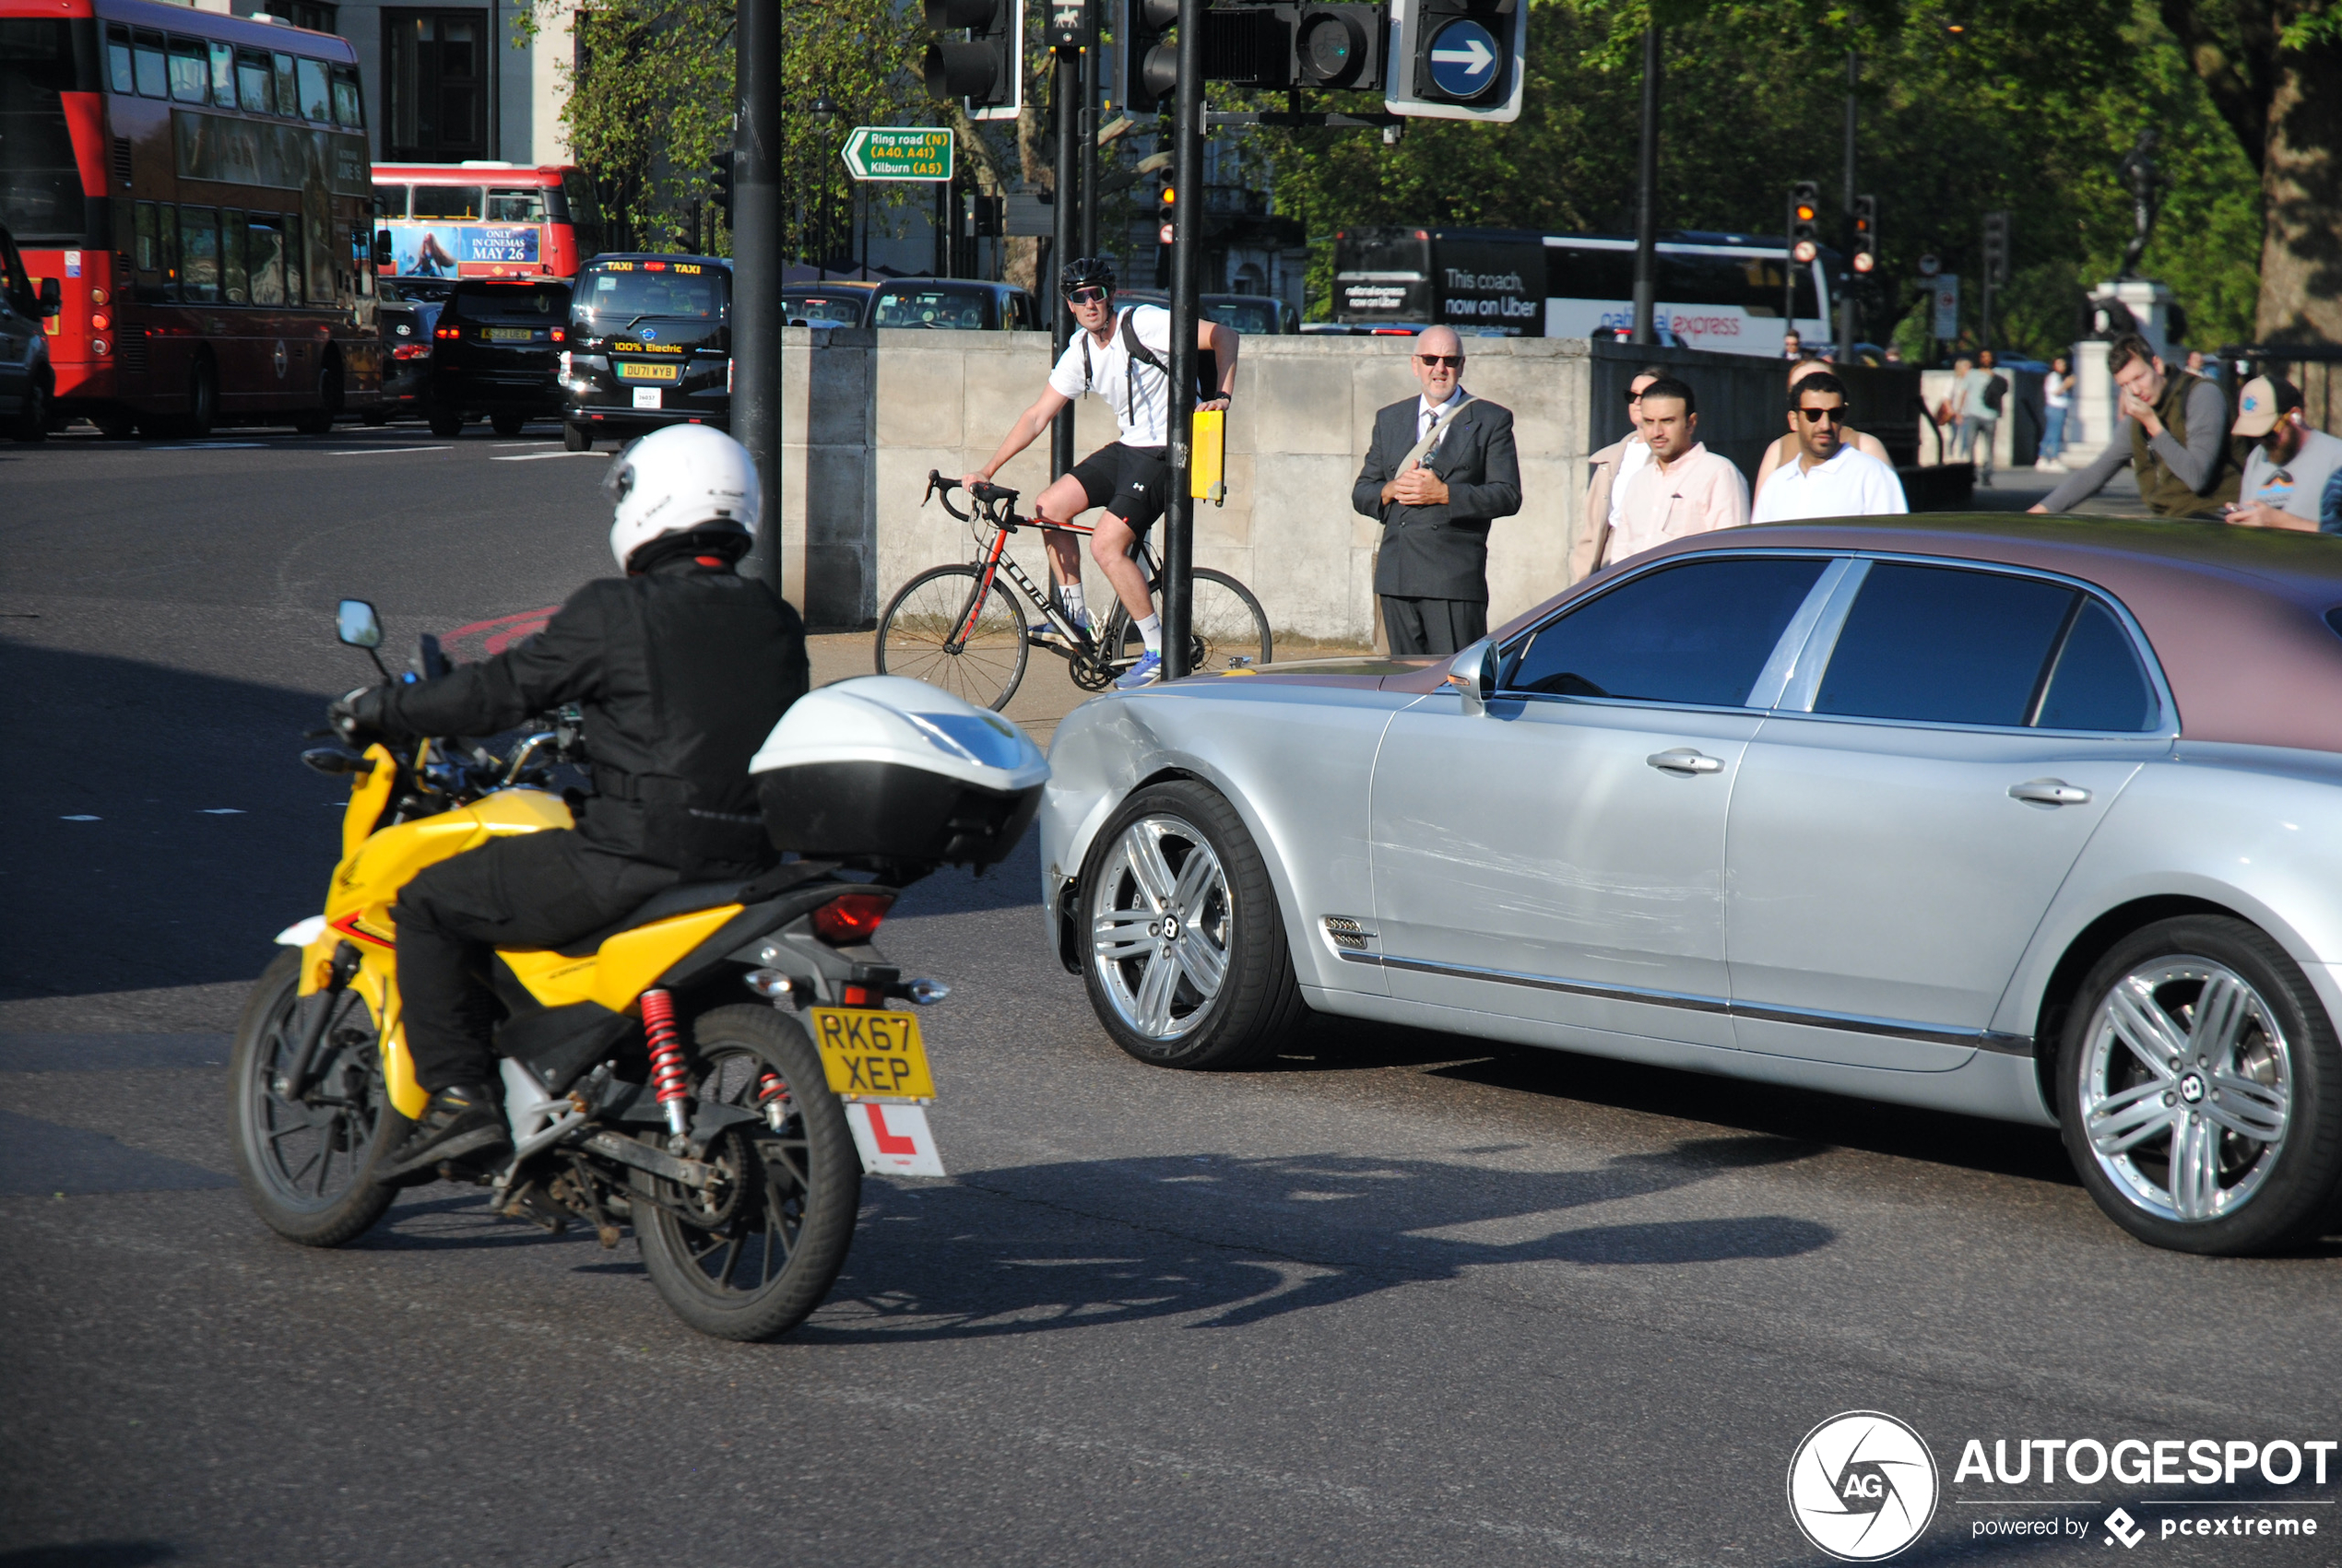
(467, 250)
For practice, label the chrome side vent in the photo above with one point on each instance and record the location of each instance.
(1351, 935)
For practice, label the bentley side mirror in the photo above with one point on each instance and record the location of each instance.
(355, 624)
(1473, 674)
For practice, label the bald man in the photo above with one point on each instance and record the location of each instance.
(1441, 469)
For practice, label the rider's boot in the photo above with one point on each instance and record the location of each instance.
(461, 1119)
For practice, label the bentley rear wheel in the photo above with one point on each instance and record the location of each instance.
(1188, 962)
(2201, 1089)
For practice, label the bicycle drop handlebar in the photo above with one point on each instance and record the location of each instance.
(991, 497)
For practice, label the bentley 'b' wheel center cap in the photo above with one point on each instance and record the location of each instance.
(2191, 1089)
(1170, 930)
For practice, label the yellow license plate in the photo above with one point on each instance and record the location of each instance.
(649, 372)
(511, 335)
(871, 1054)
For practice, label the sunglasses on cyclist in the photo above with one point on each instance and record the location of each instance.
(1453, 361)
(1817, 416)
(1089, 296)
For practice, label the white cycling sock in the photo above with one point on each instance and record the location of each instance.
(1151, 629)
(1069, 595)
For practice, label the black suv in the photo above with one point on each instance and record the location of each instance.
(496, 349)
(650, 344)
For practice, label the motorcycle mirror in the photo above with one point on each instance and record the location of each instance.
(355, 624)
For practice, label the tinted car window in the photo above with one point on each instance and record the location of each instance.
(614, 297)
(2097, 682)
(1700, 633)
(953, 308)
(1938, 644)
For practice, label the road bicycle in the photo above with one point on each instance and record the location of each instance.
(961, 626)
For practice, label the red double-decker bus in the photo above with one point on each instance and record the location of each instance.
(487, 220)
(198, 183)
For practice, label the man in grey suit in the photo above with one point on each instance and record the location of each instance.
(1441, 469)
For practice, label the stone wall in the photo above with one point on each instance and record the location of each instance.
(867, 414)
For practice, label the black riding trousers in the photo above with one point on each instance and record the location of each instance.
(528, 890)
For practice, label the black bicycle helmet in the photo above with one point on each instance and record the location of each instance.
(1086, 272)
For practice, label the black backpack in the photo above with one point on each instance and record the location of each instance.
(1206, 371)
(1995, 393)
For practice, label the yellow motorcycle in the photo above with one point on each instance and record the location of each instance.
(718, 1070)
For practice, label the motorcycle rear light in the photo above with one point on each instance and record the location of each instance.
(851, 917)
(858, 995)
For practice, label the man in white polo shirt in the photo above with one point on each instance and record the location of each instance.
(1829, 477)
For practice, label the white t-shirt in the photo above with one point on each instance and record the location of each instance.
(1630, 462)
(1852, 484)
(1113, 377)
(2298, 487)
(2057, 391)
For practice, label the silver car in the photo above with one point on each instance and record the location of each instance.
(2026, 819)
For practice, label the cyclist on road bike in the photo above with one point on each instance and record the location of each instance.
(1125, 358)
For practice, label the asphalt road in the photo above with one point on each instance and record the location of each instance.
(1398, 1298)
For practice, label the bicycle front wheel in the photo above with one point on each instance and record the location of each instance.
(1224, 625)
(936, 631)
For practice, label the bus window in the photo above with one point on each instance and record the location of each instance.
(41, 196)
(310, 244)
(265, 259)
(516, 204)
(584, 213)
(190, 71)
(125, 79)
(223, 74)
(288, 87)
(154, 71)
(390, 201)
(1580, 271)
(316, 98)
(148, 257)
(199, 256)
(447, 201)
(254, 95)
(348, 103)
(233, 284)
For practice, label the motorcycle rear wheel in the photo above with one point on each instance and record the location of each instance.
(307, 1168)
(779, 1247)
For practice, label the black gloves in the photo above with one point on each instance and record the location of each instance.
(356, 715)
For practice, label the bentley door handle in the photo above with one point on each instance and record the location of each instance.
(2048, 792)
(1684, 760)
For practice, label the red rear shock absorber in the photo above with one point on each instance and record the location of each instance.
(668, 1074)
(772, 1099)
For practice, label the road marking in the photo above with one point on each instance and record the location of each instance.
(541, 456)
(80, 818)
(209, 446)
(386, 451)
(503, 445)
(223, 812)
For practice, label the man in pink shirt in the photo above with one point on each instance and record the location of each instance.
(1684, 489)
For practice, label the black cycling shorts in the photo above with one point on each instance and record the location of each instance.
(1130, 482)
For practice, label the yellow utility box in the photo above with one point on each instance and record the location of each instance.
(1209, 456)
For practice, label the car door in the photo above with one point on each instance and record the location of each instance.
(1904, 818)
(1558, 856)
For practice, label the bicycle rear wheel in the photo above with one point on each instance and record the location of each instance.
(1226, 623)
(920, 636)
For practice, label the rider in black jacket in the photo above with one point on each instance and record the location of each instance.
(682, 667)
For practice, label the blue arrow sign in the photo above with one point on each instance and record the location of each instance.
(1463, 58)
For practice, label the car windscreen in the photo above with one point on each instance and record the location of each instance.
(536, 303)
(1244, 315)
(616, 294)
(962, 310)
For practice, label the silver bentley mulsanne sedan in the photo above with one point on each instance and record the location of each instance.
(2022, 818)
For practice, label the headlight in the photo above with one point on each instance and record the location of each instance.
(565, 364)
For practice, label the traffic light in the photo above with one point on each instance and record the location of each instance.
(1996, 247)
(1166, 209)
(985, 70)
(1337, 47)
(1865, 233)
(1457, 59)
(1805, 221)
(1148, 58)
(719, 189)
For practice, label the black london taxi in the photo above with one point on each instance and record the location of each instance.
(650, 344)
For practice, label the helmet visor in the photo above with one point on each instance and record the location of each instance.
(618, 483)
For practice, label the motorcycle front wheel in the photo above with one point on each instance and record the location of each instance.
(750, 1257)
(306, 1165)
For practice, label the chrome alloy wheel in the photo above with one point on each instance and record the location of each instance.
(1161, 926)
(2188, 1088)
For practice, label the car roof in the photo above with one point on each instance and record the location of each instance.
(596, 260)
(2236, 616)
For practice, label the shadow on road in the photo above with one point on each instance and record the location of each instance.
(1038, 1248)
(90, 1554)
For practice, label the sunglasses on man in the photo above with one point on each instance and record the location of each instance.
(1089, 296)
(1836, 416)
(1453, 361)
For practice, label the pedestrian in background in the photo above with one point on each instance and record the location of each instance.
(2196, 361)
(1829, 476)
(1613, 465)
(1684, 490)
(2293, 478)
(1978, 392)
(1787, 447)
(2057, 402)
(2174, 435)
(1792, 347)
(1441, 467)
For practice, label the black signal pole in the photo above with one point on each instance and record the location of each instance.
(756, 268)
(1846, 323)
(1065, 92)
(1187, 264)
(1647, 199)
(1090, 142)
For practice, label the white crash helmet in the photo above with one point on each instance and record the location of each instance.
(677, 480)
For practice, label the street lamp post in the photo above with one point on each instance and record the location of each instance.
(1846, 306)
(823, 112)
(1647, 199)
